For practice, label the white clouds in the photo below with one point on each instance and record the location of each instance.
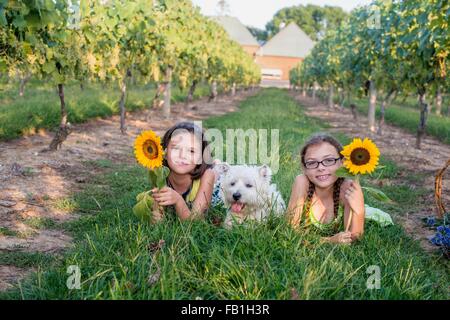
(258, 12)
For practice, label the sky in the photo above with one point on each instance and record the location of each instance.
(257, 13)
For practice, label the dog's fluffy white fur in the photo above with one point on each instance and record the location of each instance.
(248, 193)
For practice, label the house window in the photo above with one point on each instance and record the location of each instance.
(273, 74)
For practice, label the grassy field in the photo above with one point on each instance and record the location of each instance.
(117, 258)
(40, 106)
(407, 116)
(412, 102)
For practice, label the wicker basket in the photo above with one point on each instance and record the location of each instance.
(438, 191)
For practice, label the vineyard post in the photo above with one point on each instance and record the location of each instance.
(314, 91)
(213, 94)
(190, 95)
(423, 117)
(439, 100)
(123, 92)
(386, 101)
(167, 92)
(24, 78)
(156, 103)
(331, 96)
(63, 130)
(372, 105)
(342, 98)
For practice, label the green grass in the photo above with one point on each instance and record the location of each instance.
(7, 232)
(19, 234)
(411, 102)
(39, 108)
(263, 261)
(27, 260)
(407, 117)
(40, 223)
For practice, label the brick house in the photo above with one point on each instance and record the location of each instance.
(283, 52)
(278, 55)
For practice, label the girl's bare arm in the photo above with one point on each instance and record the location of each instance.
(297, 199)
(354, 201)
(203, 198)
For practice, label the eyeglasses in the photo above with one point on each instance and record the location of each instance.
(326, 163)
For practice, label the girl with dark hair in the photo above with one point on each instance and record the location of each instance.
(191, 180)
(323, 200)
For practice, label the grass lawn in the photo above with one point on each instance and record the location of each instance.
(39, 108)
(407, 116)
(200, 260)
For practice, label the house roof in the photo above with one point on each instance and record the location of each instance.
(236, 30)
(289, 42)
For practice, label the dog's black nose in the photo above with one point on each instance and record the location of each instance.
(236, 196)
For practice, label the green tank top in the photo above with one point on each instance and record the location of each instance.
(325, 228)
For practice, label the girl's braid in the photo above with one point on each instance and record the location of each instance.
(336, 192)
(308, 202)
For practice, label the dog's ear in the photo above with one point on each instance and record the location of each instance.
(221, 168)
(265, 172)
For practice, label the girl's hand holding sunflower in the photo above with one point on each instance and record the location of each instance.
(355, 197)
(149, 153)
(166, 196)
(360, 157)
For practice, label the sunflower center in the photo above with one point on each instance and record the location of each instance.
(150, 149)
(360, 156)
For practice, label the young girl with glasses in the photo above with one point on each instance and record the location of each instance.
(322, 200)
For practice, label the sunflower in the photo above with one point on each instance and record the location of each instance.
(361, 156)
(148, 150)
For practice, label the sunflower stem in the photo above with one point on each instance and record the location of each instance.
(349, 223)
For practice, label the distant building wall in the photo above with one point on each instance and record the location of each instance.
(285, 64)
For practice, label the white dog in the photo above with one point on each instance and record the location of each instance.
(248, 193)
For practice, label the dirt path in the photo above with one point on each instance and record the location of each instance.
(32, 182)
(398, 145)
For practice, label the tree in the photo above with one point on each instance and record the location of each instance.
(312, 19)
(392, 46)
(121, 41)
(39, 39)
(260, 34)
(164, 41)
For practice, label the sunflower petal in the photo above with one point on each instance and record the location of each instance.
(145, 139)
(362, 148)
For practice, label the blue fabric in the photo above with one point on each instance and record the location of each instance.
(216, 199)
